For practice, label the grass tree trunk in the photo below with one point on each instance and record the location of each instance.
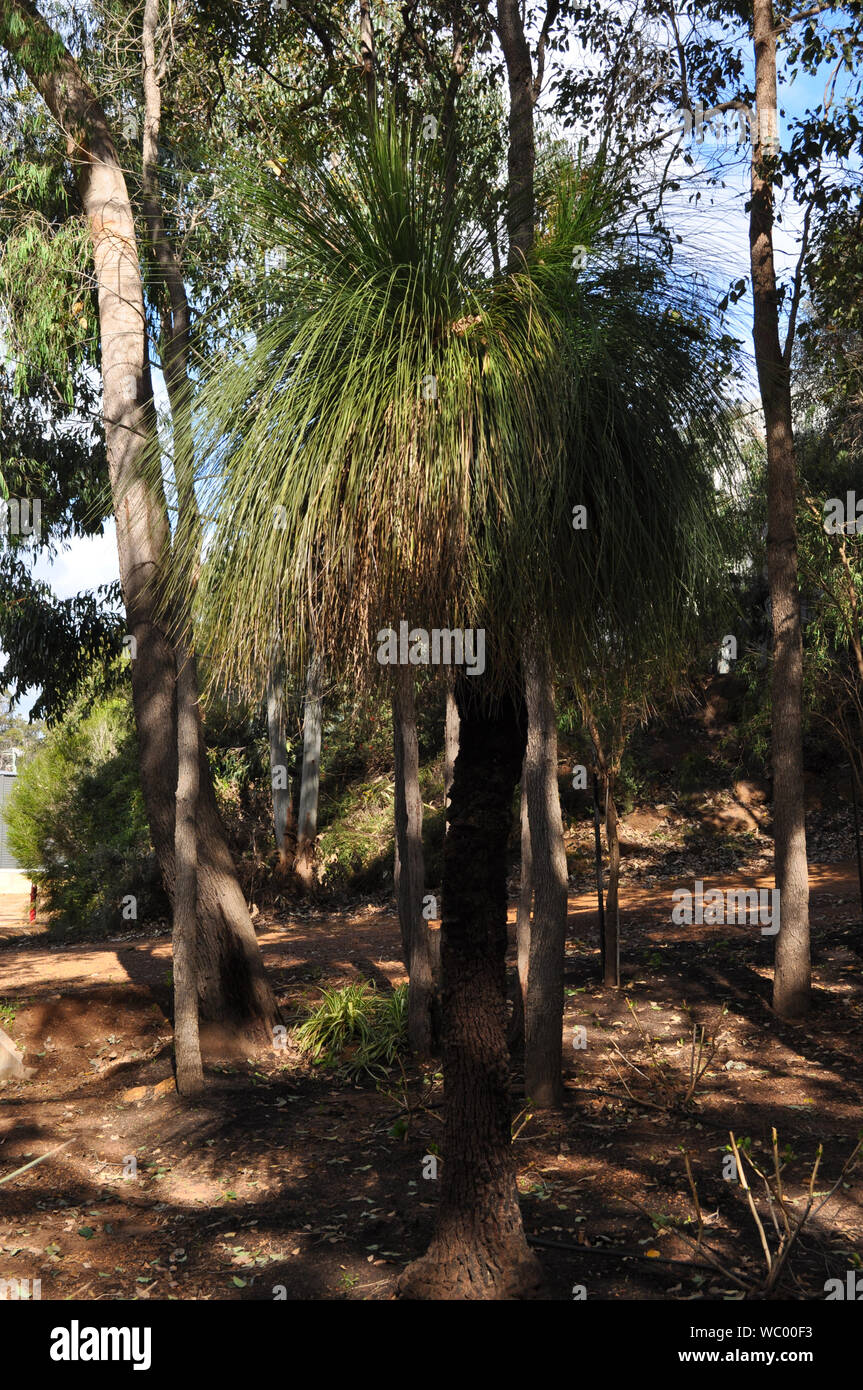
(792, 974)
(479, 1250)
(283, 817)
(232, 987)
(543, 999)
(411, 869)
(310, 781)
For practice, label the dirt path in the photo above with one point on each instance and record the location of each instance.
(286, 1177)
(371, 934)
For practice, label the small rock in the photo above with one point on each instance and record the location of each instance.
(12, 1066)
(134, 1093)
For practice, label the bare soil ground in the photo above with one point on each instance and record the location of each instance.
(286, 1181)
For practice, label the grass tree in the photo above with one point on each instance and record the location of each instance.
(405, 440)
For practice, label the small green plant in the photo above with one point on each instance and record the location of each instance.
(8, 1010)
(356, 1029)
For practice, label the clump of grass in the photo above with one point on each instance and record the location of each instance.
(359, 1018)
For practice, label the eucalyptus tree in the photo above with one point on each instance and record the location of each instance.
(140, 99)
(810, 37)
(732, 59)
(231, 982)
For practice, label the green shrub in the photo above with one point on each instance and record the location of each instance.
(77, 823)
(357, 1016)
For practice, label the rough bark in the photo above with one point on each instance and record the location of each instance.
(543, 1000)
(792, 974)
(479, 1250)
(411, 868)
(307, 815)
(232, 986)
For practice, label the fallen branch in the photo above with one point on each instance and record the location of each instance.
(34, 1161)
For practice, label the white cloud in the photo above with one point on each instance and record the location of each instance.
(83, 563)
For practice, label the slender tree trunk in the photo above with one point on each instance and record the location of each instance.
(611, 951)
(543, 1001)
(368, 56)
(522, 920)
(856, 808)
(307, 816)
(597, 850)
(792, 975)
(401, 862)
(521, 147)
(609, 915)
(450, 740)
(410, 887)
(479, 1249)
(175, 338)
(451, 736)
(187, 1045)
(232, 985)
(283, 817)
